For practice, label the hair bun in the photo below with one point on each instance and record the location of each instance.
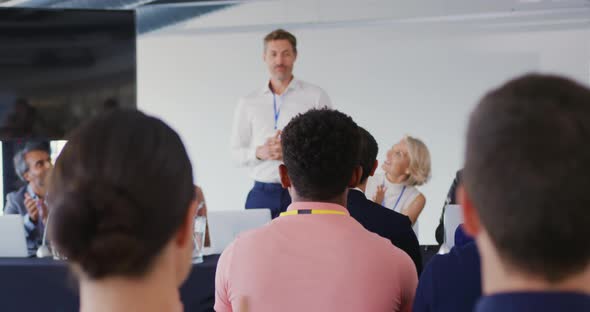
(105, 220)
(121, 189)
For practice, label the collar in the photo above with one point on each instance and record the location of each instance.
(293, 85)
(534, 301)
(31, 192)
(317, 206)
(358, 189)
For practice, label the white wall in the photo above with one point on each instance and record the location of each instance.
(391, 82)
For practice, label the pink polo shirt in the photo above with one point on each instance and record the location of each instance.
(314, 263)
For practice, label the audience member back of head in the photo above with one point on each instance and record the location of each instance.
(525, 197)
(122, 203)
(378, 219)
(315, 257)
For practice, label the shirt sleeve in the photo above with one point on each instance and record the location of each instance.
(241, 142)
(409, 283)
(30, 227)
(222, 290)
(11, 208)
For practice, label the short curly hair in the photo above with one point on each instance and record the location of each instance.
(321, 151)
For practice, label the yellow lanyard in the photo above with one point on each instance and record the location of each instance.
(312, 211)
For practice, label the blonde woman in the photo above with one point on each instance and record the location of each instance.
(406, 166)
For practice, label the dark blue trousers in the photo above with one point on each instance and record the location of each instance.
(268, 195)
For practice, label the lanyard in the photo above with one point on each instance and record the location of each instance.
(277, 110)
(398, 198)
(312, 212)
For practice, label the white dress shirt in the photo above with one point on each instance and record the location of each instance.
(254, 123)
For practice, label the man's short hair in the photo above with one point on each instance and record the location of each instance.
(20, 165)
(281, 34)
(368, 152)
(527, 172)
(320, 151)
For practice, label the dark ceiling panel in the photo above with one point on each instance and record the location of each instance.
(151, 15)
(35, 3)
(183, 1)
(98, 4)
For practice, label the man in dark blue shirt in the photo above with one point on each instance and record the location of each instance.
(451, 282)
(382, 221)
(525, 195)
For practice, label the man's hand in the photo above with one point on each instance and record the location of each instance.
(36, 208)
(271, 150)
(31, 206)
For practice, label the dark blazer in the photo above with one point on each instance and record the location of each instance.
(386, 223)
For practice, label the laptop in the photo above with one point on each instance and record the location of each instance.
(224, 226)
(13, 243)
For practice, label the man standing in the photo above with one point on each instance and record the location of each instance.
(32, 165)
(260, 116)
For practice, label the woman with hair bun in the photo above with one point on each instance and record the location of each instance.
(123, 203)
